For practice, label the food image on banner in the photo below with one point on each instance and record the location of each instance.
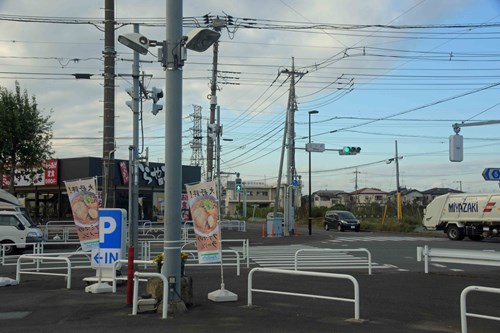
(205, 214)
(85, 207)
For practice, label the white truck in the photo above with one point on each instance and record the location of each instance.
(459, 215)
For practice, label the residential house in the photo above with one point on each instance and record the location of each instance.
(408, 196)
(258, 194)
(329, 198)
(430, 194)
(366, 196)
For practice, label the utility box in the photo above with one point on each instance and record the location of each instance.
(274, 227)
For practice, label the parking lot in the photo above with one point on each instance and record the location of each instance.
(390, 300)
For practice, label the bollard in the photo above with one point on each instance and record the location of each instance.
(263, 231)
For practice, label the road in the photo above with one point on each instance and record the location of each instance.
(397, 297)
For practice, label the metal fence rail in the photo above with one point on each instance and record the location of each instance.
(355, 283)
(459, 256)
(135, 300)
(32, 257)
(463, 305)
(368, 253)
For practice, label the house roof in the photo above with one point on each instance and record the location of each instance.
(405, 191)
(440, 191)
(368, 190)
(329, 193)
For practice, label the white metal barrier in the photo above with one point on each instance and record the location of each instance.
(11, 259)
(31, 257)
(239, 225)
(245, 247)
(355, 283)
(218, 264)
(59, 231)
(459, 256)
(368, 253)
(138, 275)
(463, 305)
(125, 277)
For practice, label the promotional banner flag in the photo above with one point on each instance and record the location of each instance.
(84, 202)
(205, 214)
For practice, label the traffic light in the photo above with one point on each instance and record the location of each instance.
(237, 185)
(156, 95)
(350, 151)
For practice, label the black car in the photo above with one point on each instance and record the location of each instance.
(341, 220)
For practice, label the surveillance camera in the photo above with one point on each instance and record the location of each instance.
(135, 41)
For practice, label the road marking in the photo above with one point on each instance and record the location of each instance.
(384, 239)
(283, 256)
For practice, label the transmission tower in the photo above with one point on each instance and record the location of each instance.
(196, 143)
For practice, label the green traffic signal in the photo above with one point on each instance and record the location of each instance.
(238, 187)
(347, 149)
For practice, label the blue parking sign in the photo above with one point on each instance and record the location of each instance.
(112, 237)
(110, 228)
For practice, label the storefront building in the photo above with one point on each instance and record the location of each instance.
(44, 193)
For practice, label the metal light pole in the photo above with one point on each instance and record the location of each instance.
(173, 151)
(309, 211)
(134, 174)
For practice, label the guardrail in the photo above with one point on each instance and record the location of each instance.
(125, 277)
(369, 256)
(217, 264)
(31, 257)
(459, 256)
(138, 275)
(355, 283)
(245, 248)
(463, 305)
(233, 224)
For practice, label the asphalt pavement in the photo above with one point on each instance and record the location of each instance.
(390, 301)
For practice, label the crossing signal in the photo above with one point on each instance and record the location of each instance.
(237, 186)
(350, 151)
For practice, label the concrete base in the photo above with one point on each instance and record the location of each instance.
(173, 308)
(222, 295)
(99, 288)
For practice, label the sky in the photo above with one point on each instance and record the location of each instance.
(378, 72)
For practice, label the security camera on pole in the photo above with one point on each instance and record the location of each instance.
(172, 56)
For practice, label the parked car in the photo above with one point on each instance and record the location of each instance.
(341, 220)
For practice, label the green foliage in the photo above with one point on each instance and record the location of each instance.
(25, 133)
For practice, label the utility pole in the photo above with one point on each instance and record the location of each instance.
(109, 102)
(290, 130)
(399, 208)
(356, 179)
(217, 25)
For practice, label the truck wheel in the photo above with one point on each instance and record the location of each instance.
(455, 233)
(9, 248)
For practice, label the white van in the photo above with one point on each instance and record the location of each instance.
(15, 231)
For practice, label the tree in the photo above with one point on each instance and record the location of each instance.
(25, 133)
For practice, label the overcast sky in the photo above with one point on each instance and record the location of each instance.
(417, 67)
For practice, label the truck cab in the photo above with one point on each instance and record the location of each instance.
(16, 231)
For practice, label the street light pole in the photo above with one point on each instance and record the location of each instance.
(309, 211)
(173, 151)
